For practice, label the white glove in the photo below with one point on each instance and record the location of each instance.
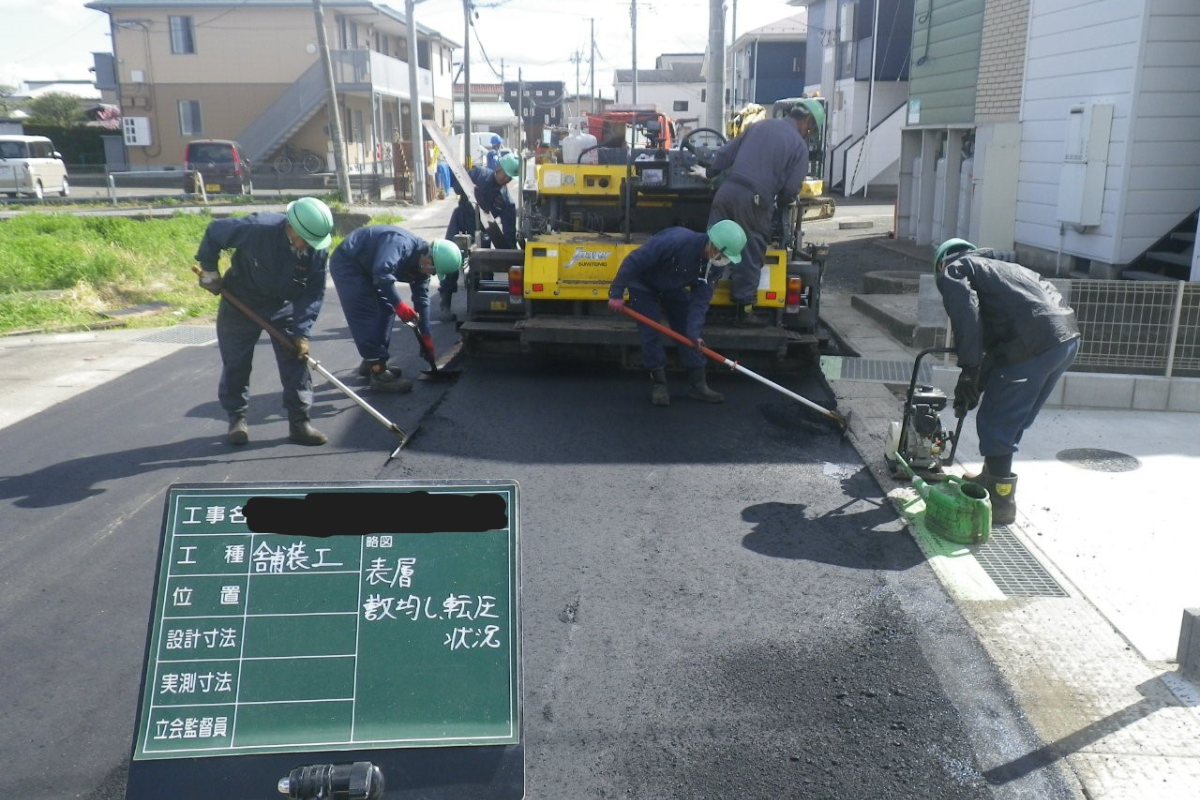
(699, 171)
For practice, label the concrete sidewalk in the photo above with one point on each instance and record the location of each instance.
(1080, 603)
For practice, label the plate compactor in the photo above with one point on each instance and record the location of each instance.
(919, 437)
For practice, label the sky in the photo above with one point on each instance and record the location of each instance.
(55, 39)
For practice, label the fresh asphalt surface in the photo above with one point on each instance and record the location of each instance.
(717, 600)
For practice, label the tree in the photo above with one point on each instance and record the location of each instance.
(56, 108)
(7, 106)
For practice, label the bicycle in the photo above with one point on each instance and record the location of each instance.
(289, 157)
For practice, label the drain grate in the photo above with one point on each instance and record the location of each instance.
(872, 369)
(1096, 460)
(1013, 568)
(180, 334)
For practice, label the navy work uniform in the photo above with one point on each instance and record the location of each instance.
(366, 267)
(768, 160)
(492, 198)
(669, 273)
(284, 286)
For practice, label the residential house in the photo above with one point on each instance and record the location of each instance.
(676, 87)
(251, 70)
(1068, 131)
(768, 63)
(858, 59)
(489, 111)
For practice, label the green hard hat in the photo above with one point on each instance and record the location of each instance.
(312, 220)
(511, 164)
(950, 246)
(728, 237)
(811, 107)
(447, 258)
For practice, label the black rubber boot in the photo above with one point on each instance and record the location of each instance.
(698, 387)
(239, 432)
(301, 431)
(660, 395)
(1003, 492)
(444, 312)
(746, 317)
(387, 379)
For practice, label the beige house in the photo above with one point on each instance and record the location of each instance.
(251, 70)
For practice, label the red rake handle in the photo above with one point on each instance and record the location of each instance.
(679, 337)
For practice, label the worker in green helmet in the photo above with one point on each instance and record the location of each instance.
(492, 197)
(675, 272)
(278, 270)
(1014, 337)
(763, 167)
(367, 268)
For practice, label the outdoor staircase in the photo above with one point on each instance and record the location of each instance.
(286, 115)
(1170, 258)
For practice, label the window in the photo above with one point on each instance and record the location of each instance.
(182, 40)
(679, 105)
(190, 123)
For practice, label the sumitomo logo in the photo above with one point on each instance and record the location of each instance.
(588, 258)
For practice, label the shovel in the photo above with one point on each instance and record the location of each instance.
(315, 366)
(433, 373)
(841, 421)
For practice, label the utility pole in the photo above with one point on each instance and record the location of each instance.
(577, 57)
(714, 108)
(335, 119)
(592, 67)
(468, 155)
(633, 18)
(418, 145)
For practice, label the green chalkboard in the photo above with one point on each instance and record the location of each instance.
(333, 617)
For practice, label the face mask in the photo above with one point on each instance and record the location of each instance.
(720, 260)
(715, 270)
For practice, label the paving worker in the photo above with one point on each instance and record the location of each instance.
(1014, 336)
(766, 164)
(278, 270)
(492, 198)
(676, 271)
(492, 154)
(366, 267)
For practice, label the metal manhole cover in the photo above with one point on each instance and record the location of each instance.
(1099, 460)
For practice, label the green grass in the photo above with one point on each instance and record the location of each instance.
(63, 272)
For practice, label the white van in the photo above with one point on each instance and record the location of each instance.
(31, 165)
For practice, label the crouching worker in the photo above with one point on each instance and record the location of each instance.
(366, 268)
(675, 272)
(1014, 336)
(277, 270)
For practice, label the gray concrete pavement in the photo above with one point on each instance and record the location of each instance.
(1104, 539)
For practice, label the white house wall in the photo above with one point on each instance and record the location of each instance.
(664, 95)
(1141, 57)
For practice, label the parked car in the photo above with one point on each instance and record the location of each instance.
(31, 165)
(220, 163)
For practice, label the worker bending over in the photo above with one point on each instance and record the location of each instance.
(1014, 336)
(676, 271)
(366, 267)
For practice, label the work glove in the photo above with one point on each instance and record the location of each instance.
(301, 343)
(615, 304)
(699, 171)
(427, 345)
(966, 391)
(784, 200)
(405, 312)
(210, 281)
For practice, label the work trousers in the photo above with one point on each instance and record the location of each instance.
(753, 212)
(237, 335)
(653, 303)
(1013, 394)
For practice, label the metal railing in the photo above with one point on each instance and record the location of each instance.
(1138, 327)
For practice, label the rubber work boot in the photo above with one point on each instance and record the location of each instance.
(239, 432)
(386, 379)
(444, 313)
(698, 387)
(660, 395)
(1003, 492)
(746, 318)
(301, 431)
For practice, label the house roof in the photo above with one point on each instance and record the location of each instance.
(487, 113)
(682, 73)
(109, 6)
(793, 28)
